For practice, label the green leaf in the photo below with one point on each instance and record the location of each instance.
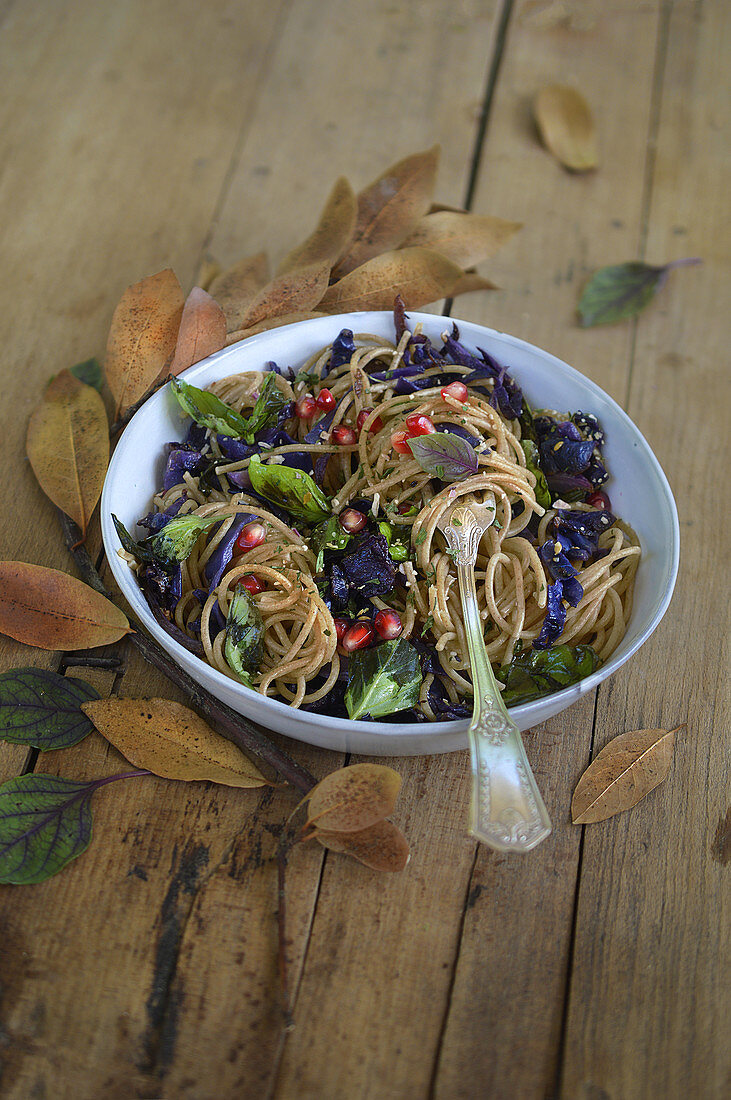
(42, 709)
(538, 672)
(532, 461)
(265, 413)
(208, 410)
(244, 645)
(171, 544)
(89, 372)
(291, 489)
(330, 535)
(383, 680)
(45, 822)
(444, 455)
(397, 549)
(622, 290)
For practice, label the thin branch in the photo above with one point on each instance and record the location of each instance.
(123, 420)
(233, 725)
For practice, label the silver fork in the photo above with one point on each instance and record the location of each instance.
(507, 811)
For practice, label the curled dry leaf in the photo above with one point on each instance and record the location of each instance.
(621, 774)
(143, 335)
(419, 275)
(271, 322)
(381, 846)
(470, 281)
(353, 798)
(566, 126)
(171, 741)
(49, 609)
(293, 292)
(202, 330)
(466, 239)
(237, 287)
(68, 446)
(333, 233)
(390, 207)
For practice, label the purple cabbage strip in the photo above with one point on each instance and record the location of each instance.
(220, 558)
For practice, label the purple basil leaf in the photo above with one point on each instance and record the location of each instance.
(457, 429)
(568, 487)
(622, 290)
(42, 709)
(444, 455)
(45, 822)
(235, 450)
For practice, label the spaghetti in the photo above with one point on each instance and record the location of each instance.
(554, 573)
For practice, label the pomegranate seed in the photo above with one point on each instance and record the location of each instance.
(358, 636)
(325, 400)
(253, 534)
(388, 624)
(398, 442)
(305, 407)
(376, 425)
(457, 390)
(343, 436)
(352, 521)
(598, 499)
(252, 584)
(418, 424)
(341, 627)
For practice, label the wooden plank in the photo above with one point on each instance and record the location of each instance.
(502, 1029)
(649, 994)
(396, 50)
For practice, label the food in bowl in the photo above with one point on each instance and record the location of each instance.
(294, 542)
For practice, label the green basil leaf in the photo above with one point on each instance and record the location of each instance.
(397, 549)
(244, 645)
(89, 372)
(42, 709)
(141, 550)
(622, 290)
(208, 410)
(532, 461)
(538, 672)
(330, 535)
(383, 680)
(292, 489)
(265, 413)
(174, 542)
(444, 455)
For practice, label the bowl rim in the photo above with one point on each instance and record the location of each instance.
(126, 579)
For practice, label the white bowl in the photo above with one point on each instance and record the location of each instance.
(639, 492)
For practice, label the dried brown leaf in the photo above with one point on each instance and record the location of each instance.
(466, 239)
(472, 281)
(566, 126)
(437, 207)
(143, 335)
(353, 798)
(172, 741)
(51, 610)
(419, 275)
(202, 330)
(294, 292)
(621, 774)
(333, 233)
(389, 208)
(236, 288)
(208, 270)
(68, 446)
(381, 846)
(271, 322)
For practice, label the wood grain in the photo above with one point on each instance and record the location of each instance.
(649, 994)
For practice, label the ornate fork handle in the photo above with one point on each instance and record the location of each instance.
(507, 810)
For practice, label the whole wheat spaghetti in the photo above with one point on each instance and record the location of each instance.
(321, 538)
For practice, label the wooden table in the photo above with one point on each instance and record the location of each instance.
(145, 133)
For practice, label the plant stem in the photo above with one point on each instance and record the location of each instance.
(233, 726)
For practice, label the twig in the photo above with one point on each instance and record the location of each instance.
(234, 726)
(123, 420)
